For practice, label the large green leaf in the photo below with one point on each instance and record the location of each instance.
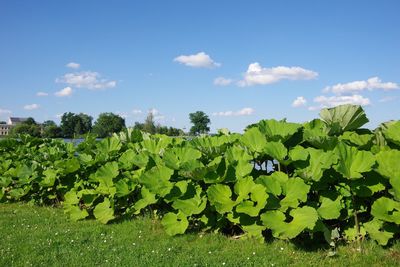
(278, 130)
(109, 145)
(157, 180)
(343, 118)
(387, 210)
(49, 178)
(71, 207)
(379, 232)
(318, 162)
(329, 208)
(220, 197)
(174, 223)
(103, 211)
(254, 140)
(276, 150)
(295, 191)
(352, 162)
(303, 218)
(192, 202)
(392, 132)
(316, 133)
(389, 167)
(147, 198)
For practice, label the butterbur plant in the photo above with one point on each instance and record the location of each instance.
(328, 177)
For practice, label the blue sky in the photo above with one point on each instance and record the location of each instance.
(238, 61)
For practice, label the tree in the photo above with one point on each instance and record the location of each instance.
(48, 123)
(149, 125)
(3, 122)
(108, 123)
(75, 124)
(52, 131)
(27, 127)
(200, 123)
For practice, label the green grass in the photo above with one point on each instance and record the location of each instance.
(42, 236)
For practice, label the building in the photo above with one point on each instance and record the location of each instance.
(5, 129)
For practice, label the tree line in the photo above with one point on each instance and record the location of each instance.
(77, 125)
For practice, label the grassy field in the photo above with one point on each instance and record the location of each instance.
(33, 236)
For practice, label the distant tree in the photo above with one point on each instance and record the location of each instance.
(52, 131)
(75, 124)
(200, 123)
(3, 122)
(68, 122)
(26, 128)
(30, 121)
(108, 123)
(85, 122)
(48, 123)
(138, 126)
(149, 125)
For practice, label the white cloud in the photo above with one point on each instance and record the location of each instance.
(86, 79)
(221, 81)
(300, 101)
(387, 99)
(73, 65)
(242, 112)
(137, 111)
(58, 116)
(67, 91)
(31, 106)
(5, 111)
(332, 101)
(256, 74)
(42, 94)
(199, 60)
(373, 83)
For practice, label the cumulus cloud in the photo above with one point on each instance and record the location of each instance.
(67, 91)
(5, 111)
(221, 81)
(300, 101)
(374, 83)
(332, 101)
(256, 74)
(86, 79)
(137, 111)
(58, 116)
(73, 65)
(199, 60)
(42, 94)
(31, 107)
(242, 112)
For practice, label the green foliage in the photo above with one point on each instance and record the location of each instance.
(283, 178)
(75, 124)
(200, 122)
(107, 124)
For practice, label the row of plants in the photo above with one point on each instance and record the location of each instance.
(327, 178)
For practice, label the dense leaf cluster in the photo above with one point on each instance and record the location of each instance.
(326, 177)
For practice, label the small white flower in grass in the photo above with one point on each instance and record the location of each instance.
(169, 249)
(152, 251)
(272, 264)
(254, 253)
(140, 236)
(248, 258)
(105, 240)
(223, 263)
(281, 248)
(209, 252)
(134, 243)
